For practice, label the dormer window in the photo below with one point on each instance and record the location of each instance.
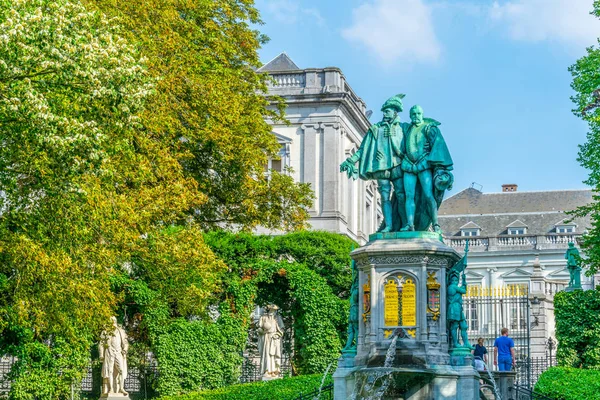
(516, 228)
(470, 229)
(564, 227)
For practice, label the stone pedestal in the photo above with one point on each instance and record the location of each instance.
(409, 268)
(114, 396)
(505, 380)
(572, 288)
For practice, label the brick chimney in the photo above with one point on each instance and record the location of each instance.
(509, 187)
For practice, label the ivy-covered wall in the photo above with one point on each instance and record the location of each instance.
(306, 274)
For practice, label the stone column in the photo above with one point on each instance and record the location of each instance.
(442, 321)
(330, 170)
(362, 278)
(375, 289)
(505, 380)
(537, 319)
(422, 300)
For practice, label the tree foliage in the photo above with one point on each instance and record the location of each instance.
(586, 84)
(86, 191)
(211, 106)
(127, 129)
(578, 329)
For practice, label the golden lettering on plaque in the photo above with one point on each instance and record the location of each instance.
(409, 304)
(390, 303)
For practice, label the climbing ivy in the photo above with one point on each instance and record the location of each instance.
(303, 273)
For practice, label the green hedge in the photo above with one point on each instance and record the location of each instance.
(578, 328)
(280, 389)
(563, 383)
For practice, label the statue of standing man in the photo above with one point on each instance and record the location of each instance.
(574, 266)
(380, 156)
(113, 348)
(270, 331)
(426, 165)
(457, 322)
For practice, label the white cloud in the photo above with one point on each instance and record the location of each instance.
(567, 21)
(395, 30)
(288, 11)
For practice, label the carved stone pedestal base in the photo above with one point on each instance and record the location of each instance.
(402, 346)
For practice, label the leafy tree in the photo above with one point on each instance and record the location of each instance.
(211, 107)
(86, 192)
(112, 164)
(586, 83)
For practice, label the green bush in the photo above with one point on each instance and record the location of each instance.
(563, 383)
(280, 389)
(196, 355)
(578, 328)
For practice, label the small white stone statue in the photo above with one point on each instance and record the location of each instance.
(113, 348)
(270, 331)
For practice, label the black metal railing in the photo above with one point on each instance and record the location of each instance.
(5, 366)
(324, 393)
(524, 393)
(529, 369)
(138, 382)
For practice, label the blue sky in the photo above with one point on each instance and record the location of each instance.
(494, 73)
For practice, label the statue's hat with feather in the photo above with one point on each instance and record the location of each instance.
(394, 102)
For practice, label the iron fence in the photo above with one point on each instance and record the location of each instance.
(324, 393)
(5, 365)
(529, 369)
(138, 382)
(519, 392)
(488, 310)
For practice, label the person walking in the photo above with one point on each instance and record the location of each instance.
(480, 355)
(504, 351)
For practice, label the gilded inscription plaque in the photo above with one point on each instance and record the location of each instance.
(390, 306)
(409, 304)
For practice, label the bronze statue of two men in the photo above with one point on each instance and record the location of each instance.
(410, 159)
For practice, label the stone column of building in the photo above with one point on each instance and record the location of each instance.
(539, 304)
(330, 192)
(310, 162)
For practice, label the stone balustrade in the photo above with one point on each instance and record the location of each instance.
(512, 242)
(313, 81)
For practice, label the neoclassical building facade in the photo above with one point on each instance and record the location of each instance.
(517, 245)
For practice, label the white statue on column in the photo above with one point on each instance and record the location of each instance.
(113, 348)
(270, 331)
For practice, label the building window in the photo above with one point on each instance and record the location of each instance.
(565, 229)
(517, 231)
(469, 232)
(283, 161)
